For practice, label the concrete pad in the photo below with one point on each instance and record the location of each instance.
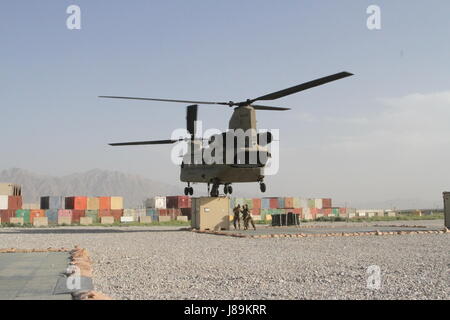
(145, 219)
(64, 220)
(40, 222)
(183, 218)
(18, 221)
(107, 220)
(126, 219)
(85, 221)
(32, 276)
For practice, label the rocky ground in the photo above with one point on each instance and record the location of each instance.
(166, 263)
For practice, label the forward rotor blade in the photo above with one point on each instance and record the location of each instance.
(303, 86)
(166, 100)
(143, 143)
(256, 107)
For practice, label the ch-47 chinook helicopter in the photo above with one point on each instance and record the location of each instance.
(239, 170)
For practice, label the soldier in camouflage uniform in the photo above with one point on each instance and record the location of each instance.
(247, 217)
(237, 219)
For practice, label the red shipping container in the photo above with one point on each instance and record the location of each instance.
(178, 202)
(36, 214)
(289, 203)
(296, 210)
(104, 213)
(343, 210)
(117, 214)
(77, 214)
(5, 215)
(273, 203)
(65, 213)
(256, 211)
(328, 212)
(314, 211)
(14, 202)
(326, 203)
(76, 203)
(163, 212)
(104, 203)
(256, 203)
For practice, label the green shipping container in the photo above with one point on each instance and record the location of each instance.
(25, 214)
(92, 214)
(311, 203)
(249, 203)
(336, 212)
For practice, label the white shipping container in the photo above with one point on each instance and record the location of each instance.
(318, 203)
(3, 202)
(156, 203)
(304, 203)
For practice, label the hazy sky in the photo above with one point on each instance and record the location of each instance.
(380, 138)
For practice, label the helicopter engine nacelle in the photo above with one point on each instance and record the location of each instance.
(265, 138)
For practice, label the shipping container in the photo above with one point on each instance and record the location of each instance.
(64, 213)
(326, 203)
(92, 214)
(24, 214)
(311, 203)
(52, 215)
(327, 212)
(289, 203)
(256, 212)
(117, 214)
(36, 214)
(4, 202)
(117, 203)
(265, 203)
(52, 202)
(6, 215)
(296, 202)
(156, 202)
(256, 203)
(77, 214)
(274, 203)
(304, 203)
(318, 203)
(76, 203)
(178, 202)
(249, 203)
(104, 203)
(10, 189)
(281, 203)
(93, 203)
(336, 212)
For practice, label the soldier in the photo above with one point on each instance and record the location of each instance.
(236, 219)
(247, 217)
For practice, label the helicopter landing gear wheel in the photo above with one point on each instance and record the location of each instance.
(262, 187)
(225, 189)
(230, 189)
(215, 191)
(188, 191)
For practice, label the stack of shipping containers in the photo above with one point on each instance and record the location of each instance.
(10, 201)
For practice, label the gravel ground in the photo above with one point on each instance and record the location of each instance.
(164, 263)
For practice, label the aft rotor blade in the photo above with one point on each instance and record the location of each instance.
(268, 108)
(303, 86)
(143, 143)
(166, 100)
